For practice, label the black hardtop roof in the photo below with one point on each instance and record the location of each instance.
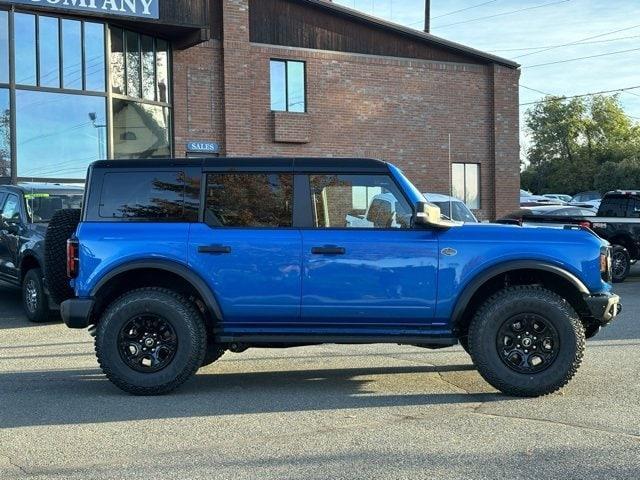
(621, 193)
(259, 163)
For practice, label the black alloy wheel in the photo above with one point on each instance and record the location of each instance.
(148, 343)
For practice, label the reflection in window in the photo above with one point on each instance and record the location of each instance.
(4, 46)
(117, 61)
(133, 64)
(71, 54)
(148, 68)
(5, 134)
(288, 86)
(466, 183)
(94, 56)
(49, 53)
(249, 200)
(25, 48)
(56, 137)
(339, 202)
(139, 130)
(162, 70)
(137, 195)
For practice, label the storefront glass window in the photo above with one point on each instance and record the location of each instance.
(94, 57)
(132, 41)
(139, 130)
(148, 68)
(5, 137)
(4, 47)
(72, 54)
(58, 135)
(117, 61)
(48, 54)
(25, 48)
(162, 68)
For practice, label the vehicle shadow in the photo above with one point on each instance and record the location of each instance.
(12, 315)
(86, 396)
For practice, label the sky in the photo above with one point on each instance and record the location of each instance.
(615, 24)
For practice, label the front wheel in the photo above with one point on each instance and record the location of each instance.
(34, 300)
(150, 341)
(526, 341)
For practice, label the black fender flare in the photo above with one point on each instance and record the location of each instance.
(170, 266)
(480, 279)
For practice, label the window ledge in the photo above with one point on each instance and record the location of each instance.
(289, 127)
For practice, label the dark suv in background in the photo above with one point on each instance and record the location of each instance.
(26, 209)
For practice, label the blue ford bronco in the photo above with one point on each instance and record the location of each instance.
(175, 262)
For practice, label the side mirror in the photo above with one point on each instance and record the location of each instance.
(429, 214)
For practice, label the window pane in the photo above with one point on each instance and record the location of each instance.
(472, 186)
(94, 56)
(117, 61)
(56, 137)
(162, 70)
(148, 68)
(142, 195)
(140, 131)
(42, 206)
(71, 54)
(25, 48)
(49, 55)
(249, 200)
(133, 64)
(457, 180)
(614, 207)
(4, 46)
(11, 208)
(278, 86)
(295, 79)
(5, 137)
(337, 202)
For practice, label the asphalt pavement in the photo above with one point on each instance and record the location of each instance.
(325, 412)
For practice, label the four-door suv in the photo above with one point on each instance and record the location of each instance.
(174, 263)
(26, 209)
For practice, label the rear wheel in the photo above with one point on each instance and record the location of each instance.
(620, 263)
(526, 341)
(34, 300)
(150, 341)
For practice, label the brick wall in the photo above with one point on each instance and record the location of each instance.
(399, 110)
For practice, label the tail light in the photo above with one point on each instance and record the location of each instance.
(73, 260)
(585, 224)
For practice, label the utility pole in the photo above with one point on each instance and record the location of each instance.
(427, 15)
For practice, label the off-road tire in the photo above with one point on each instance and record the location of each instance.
(513, 301)
(61, 227)
(185, 319)
(624, 257)
(32, 284)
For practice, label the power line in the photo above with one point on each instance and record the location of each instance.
(556, 97)
(454, 11)
(578, 41)
(564, 44)
(504, 13)
(535, 90)
(581, 58)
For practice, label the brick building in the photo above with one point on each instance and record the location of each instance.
(85, 79)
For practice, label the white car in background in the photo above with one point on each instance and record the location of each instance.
(461, 213)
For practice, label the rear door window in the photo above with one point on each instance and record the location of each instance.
(634, 207)
(148, 196)
(614, 207)
(250, 200)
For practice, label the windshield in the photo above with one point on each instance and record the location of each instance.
(42, 206)
(460, 211)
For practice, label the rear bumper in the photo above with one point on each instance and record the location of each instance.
(604, 307)
(76, 312)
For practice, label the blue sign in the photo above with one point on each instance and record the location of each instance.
(127, 8)
(198, 146)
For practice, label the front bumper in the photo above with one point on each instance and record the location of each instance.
(604, 307)
(76, 312)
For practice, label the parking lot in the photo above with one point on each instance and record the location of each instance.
(316, 412)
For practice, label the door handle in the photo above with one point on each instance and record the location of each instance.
(328, 250)
(214, 249)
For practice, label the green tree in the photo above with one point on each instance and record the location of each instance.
(573, 139)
